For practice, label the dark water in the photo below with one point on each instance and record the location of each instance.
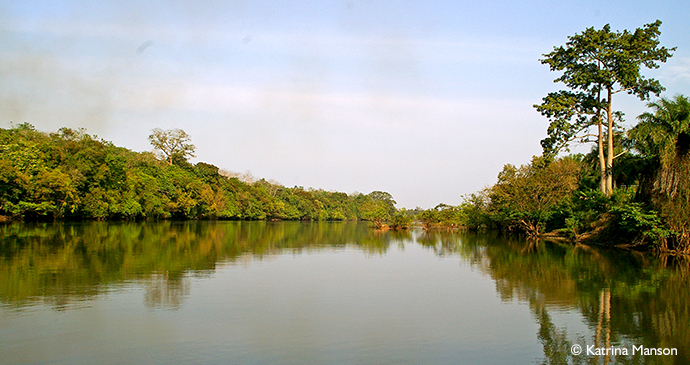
(328, 293)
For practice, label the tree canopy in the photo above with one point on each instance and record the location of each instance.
(71, 175)
(173, 144)
(595, 65)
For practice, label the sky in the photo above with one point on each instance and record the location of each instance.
(426, 100)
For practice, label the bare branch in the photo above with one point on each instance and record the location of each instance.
(623, 89)
(620, 154)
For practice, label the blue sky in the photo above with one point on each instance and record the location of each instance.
(424, 99)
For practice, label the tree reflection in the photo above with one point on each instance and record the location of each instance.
(162, 290)
(625, 298)
(63, 264)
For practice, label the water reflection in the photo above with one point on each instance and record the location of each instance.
(162, 290)
(619, 298)
(625, 298)
(61, 264)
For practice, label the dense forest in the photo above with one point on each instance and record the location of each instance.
(71, 175)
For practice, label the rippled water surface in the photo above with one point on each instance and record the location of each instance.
(327, 293)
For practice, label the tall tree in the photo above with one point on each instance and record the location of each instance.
(172, 143)
(596, 65)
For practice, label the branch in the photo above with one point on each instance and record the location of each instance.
(578, 138)
(582, 137)
(620, 154)
(623, 89)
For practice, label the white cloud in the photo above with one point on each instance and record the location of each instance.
(677, 69)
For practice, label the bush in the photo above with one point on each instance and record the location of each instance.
(400, 220)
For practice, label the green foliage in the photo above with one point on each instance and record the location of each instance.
(400, 220)
(646, 198)
(619, 219)
(582, 210)
(72, 175)
(384, 198)
(471, 214)
(378, 207)
(633, 219)
(595, 65)
(429, 218)
(525, 198)
(376, 212)
(663, 135)
(443, 216)
(475, 211)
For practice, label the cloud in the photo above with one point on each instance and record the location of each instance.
(214, 98)
(677, 69)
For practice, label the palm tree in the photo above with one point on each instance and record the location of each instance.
(664, 136)
(664, 132)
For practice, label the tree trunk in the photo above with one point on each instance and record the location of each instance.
(602, 161)
(600, 145)
(609, 152)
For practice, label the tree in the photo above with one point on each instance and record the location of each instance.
(664, 136)
(385, 198)
(173, 144)
(401, 219)
(665, 133)
(596, 65)
(524, 198)
(376, 212)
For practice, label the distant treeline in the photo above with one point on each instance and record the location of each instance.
(71, 175)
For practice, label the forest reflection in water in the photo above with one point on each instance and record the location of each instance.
(625, 298)
(63, 264)
(622, 298)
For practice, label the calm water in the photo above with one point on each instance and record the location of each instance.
(326, 293)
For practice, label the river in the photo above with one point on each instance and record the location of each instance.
(234, 292)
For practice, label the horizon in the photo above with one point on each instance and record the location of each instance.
(426, 101)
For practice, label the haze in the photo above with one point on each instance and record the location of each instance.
(425, 100)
